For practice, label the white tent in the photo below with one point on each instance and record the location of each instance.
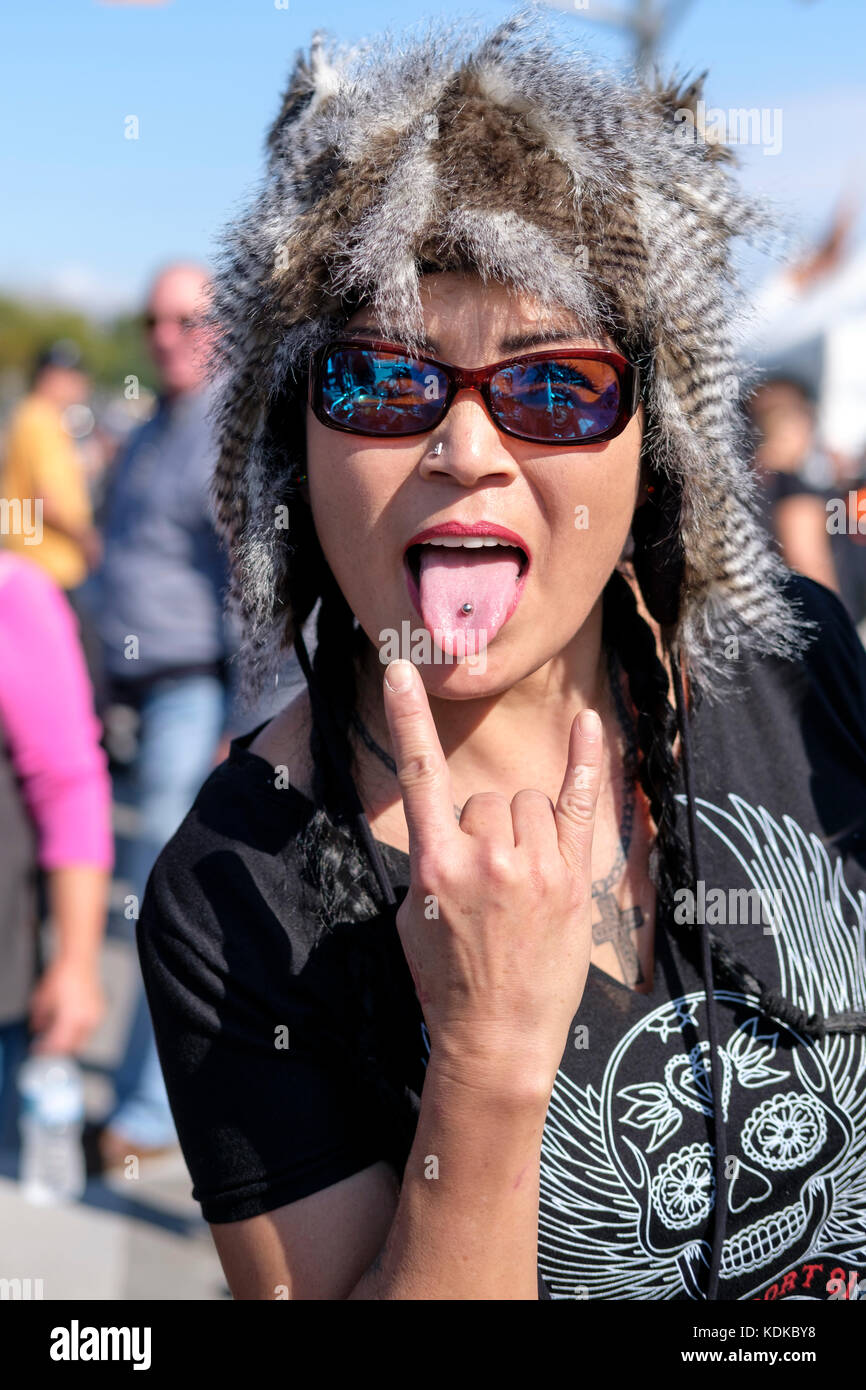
(820, 333)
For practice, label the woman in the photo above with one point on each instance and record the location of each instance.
(782, 412)
(437, 1003)
(55, 816)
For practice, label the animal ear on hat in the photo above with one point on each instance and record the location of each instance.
(678, 99)
(659, 556)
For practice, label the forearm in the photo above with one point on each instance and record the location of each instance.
(801, 526)
(466, 1225)
(78, 904)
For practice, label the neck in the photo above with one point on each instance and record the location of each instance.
(501, 742)
(174, 396)
(45, 393)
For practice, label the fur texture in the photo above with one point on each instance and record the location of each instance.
(505, 151)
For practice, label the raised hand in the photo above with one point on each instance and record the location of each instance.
(496, 924)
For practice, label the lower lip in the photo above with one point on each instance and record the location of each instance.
(415, 595)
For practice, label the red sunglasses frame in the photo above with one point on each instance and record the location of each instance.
(478, 379)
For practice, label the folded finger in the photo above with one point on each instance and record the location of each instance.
(532, 815)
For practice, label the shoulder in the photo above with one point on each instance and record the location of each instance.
(193, 422)
(792, 731)
(234, 869)
(834, 656)
(284, 742)
(794, 739)
(814, 599)
(32, 431)
(140, 435)
(34, 415)
(823, 687)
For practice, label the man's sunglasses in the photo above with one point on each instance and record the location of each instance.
(560, 396)
(151, 321)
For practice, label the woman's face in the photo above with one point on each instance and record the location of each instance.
(570, 507)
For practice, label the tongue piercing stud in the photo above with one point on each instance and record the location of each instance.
(467, 608)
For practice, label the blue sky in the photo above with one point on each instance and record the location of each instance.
(89, 214)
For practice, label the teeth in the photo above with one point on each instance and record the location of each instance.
(467, 542)
(753, 1247)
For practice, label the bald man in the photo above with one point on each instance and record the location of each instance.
(159, 597)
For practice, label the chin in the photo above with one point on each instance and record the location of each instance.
(477, 676)
(463, 682)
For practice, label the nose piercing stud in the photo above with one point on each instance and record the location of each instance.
(437, 450)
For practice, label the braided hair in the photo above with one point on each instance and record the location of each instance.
(336, 853)
(634, 642)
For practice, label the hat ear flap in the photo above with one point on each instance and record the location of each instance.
(659, 555)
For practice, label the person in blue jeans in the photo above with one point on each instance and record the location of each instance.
(14, 1046)
(158, 602)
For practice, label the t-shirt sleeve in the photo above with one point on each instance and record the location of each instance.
(56, 468)
(836, 660)
(52, 730)
(263, 1110)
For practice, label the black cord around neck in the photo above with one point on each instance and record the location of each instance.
(322, 715)
(720, 1206)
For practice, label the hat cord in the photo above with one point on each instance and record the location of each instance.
(720, 1207)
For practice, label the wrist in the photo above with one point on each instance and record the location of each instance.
(513, 1081)
(75, 960)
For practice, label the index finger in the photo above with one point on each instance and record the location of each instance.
(578, 798)
(422, 771)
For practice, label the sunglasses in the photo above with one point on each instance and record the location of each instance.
(151, 321)
(561, 396)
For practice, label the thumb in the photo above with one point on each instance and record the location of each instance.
(578, 798)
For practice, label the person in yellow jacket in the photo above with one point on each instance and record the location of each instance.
(45, 509)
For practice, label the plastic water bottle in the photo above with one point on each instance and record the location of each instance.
(52, 1118)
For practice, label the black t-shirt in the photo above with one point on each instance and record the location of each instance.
(257, 1007)
(777, 487)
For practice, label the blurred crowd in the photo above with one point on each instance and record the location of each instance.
(117, 690)
(117, 682)
(821, 531)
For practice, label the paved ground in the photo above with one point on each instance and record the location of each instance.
(138, 1238)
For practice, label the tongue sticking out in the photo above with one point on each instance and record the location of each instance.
(449, 578)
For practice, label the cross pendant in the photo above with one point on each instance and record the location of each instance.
(615, 925)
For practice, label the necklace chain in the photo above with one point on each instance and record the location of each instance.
(626, 824)
(374, 747)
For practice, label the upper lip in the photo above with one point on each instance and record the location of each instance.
(470, 528)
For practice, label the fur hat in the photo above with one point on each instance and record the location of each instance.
(505, 151)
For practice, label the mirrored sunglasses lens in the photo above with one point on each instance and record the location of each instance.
(379, 392)
(560, 399)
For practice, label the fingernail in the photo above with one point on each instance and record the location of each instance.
(399, 675)
(589, 723)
